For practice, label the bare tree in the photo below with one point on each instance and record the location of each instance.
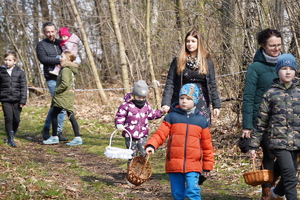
(89, 53)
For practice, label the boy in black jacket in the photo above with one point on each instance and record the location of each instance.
(13, 87)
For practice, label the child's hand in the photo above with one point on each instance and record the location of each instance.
(149, 150)
(120, 127)
(216, 112)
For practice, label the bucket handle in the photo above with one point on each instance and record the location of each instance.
(147, 157)
(115, 132)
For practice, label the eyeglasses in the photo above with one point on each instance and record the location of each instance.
(273, 46)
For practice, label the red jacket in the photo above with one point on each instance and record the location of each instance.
(189, 147)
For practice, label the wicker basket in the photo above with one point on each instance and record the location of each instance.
(139, 170)
(116, 152)
(258, 177)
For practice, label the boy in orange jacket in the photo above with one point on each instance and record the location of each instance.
(189, 148)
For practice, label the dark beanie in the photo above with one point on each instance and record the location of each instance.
(140, 88)
(286, 60)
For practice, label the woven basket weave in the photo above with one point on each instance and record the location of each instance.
(258, 177)
(139, 170)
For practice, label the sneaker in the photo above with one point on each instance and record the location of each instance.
(51, 140)
(75, 141)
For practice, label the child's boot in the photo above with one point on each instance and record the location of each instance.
(45, 133)
(76, 141)
(265, 194)
(55, 71)
(10, 139)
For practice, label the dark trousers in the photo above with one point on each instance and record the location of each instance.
(287, 161)
(137, 146)
(269, 160)
(71, 117)
(12, 112)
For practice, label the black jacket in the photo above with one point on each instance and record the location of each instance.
(47, 52)
(173, 86)
(13, 88)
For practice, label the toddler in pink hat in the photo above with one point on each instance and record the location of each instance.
(68, 43)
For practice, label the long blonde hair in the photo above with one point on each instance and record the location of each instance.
(202, 54)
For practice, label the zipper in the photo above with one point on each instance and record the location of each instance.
(185, 143)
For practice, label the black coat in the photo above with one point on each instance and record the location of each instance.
(13, 88)
(47, 52)
(173, 86)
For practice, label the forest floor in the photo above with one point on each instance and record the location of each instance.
(37, 171)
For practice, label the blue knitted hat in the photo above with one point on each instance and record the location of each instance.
(286, 60)
(192, 91)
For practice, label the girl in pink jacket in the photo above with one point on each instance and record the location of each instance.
(68, 43)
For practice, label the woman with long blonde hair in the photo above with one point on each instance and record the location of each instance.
(193, 65)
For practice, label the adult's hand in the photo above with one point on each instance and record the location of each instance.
(246, 133)
(165, 108)
(216, 112)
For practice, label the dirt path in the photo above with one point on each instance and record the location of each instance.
(61, 159)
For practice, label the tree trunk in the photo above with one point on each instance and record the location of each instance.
(149, 56)
(122, 53)
(89, 53)
(179, 13)
(45, 11)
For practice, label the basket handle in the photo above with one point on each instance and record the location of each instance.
(147, 157)
(253, 162)
(115, 132)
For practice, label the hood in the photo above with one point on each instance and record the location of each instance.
(276, 84)
(127, 97)
(74, 39)
(71, 65)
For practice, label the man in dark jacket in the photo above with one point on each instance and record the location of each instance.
(48, 52)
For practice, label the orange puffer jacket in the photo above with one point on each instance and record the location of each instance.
(189, 147)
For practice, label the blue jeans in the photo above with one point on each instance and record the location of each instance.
(185, 185)
(61, 116)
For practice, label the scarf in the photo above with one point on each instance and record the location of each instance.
(270, 59)
(139, 104)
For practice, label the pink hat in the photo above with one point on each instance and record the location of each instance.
(63, 31)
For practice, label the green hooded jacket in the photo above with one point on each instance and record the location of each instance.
(65, 84)
(259, 77)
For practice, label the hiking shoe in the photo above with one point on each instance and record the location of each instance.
(274, 196)
(51, 140)
(75, 141)
(61, 137)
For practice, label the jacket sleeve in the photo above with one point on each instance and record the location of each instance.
(153, 114)
(170, 84)
(121, 114)
(43, 57)
(159, 136)
(214, 95)
(23, 88)
(261, 122)
(250, 88)
(207, 149)
(65, 81)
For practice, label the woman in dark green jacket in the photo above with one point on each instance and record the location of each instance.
(63, 98)
(259, 77)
